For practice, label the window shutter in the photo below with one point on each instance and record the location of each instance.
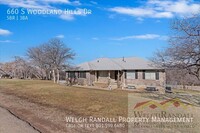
(157, 75)
(136, 74)
(125, 74)
(143, 75)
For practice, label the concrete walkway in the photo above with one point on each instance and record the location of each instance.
(11, 124)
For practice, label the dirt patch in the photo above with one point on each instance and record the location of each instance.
(46, 119)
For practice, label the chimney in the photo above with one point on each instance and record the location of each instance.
(123, 59)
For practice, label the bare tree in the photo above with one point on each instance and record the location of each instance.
(51, 56)
(38, 58)
(58, 54)
(180, 77)
(19, 68)
(183, 51)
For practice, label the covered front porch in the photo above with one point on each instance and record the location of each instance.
(107, 78)
(110, 79)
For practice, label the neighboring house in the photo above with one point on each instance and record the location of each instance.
(114, 73)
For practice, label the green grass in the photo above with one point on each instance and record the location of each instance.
(79, 101)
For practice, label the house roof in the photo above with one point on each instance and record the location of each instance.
(130, 63)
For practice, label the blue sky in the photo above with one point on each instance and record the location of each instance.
(115, 28)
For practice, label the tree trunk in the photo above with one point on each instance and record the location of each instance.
(54, 76)
(58, 76)
(49, 75)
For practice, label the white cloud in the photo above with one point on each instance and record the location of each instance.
(95, 38)
(160, 9)
(57, 1)
(94, 2)
(26, 4)
(141, 12)
(145, 36)
(67, 17)
(43, 4)
(158, 21)
(71, 16)
(164, 38)
(4, 32)
(76, 3)
(163, 15)
(180, 7)
(60, 36)
(139, 19)
(6, 41)
(38, 4)
(132, 11)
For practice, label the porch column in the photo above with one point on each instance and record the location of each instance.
(88, 74)
(66, 75)
(95, 76)
(118, 79)
(109, 74)
(123, 79)
(109, 80)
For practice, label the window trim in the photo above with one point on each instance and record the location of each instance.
(150, 72)
(131, 71)
(82, 74)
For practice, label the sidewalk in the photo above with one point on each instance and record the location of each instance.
(11, 124)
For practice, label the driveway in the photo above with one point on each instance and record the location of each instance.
(11, 124)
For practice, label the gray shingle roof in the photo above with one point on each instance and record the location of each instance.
(130, 63)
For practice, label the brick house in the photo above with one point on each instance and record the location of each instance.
(114, 73)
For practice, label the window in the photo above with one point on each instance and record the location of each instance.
(82, 75)
(103, 74)
(150, 75)
(72, 75)
(131, 75)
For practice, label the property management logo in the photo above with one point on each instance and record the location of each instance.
(176, 102)
(168, 115)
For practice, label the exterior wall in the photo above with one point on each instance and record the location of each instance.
(88, 81)
(104, 82)
(84, 81)
(103, 76)
(162, 78)
(109, 77)
(103, 79)
(143, 83)
(92, 78)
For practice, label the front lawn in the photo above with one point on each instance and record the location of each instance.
(78, 101)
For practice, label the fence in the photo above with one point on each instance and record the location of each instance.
(197, 88)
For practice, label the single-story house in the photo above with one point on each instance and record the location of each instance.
(111, 73)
